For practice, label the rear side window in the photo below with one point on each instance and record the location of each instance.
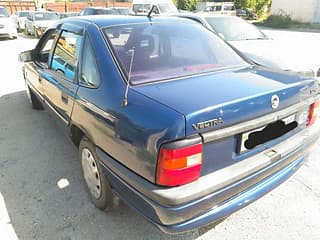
(66, 54)
(89, 76)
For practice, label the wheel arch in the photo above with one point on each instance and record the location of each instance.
(77, 133)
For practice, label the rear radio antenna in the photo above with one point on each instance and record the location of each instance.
(151, 11)
(125, 99)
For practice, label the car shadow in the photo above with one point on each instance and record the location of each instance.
(42, 187)
(6, 39)
(25, 36)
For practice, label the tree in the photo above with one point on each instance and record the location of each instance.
(255, 5)
(189, 5)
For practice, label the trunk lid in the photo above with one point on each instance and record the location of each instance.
(221, 99)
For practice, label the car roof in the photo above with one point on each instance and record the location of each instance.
(114, 20)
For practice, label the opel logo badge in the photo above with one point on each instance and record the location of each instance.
(275, 101)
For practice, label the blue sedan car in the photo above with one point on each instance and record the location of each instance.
(167, 116)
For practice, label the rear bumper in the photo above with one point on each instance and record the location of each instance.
(196, 204)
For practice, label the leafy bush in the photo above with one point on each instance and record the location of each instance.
(279, 21)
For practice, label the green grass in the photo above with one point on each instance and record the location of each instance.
(285, 21)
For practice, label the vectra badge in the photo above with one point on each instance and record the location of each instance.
(206, 124)
(275, 101)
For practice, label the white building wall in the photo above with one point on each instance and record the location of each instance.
(303, 11)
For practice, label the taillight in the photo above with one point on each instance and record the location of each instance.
(179, 166)
(313, 112)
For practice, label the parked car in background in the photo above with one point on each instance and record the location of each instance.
(247, 14)
(254, 44)
(19, 19)
(123, 11)
(241, 13)
(182, 128)
(7, 27)
(38, 21)
(226, 8)
(69, 14)
(163, 7)
(97, 11)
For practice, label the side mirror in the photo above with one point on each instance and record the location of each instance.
(27, 56)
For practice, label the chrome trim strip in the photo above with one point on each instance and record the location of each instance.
(253, 124)
(96, 110)
(55, 111)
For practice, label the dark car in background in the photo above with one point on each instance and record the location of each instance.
(123, 11)
(182, 128)
(96, 11)
(110, 11)
(69, 14)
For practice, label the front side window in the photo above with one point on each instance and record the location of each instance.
(89, 76)
(158, 51)
(65, 56)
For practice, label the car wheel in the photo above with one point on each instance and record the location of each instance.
(35, 103)
(97, 183)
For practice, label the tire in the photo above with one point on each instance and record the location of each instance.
(35, 103)
(97, 183)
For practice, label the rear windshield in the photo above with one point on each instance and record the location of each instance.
(150, 52)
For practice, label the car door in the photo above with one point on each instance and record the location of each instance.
(35, 70)
(60, 83)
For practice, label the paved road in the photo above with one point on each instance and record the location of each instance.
(43, 196)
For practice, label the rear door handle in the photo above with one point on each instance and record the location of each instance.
(64, 97)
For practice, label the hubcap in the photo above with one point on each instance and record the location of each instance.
(91, 173)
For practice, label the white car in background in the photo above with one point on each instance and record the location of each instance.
(227, 8)
(162, 7)
(37, 22)
(19, 19)
(7, 28)
(256, 46)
